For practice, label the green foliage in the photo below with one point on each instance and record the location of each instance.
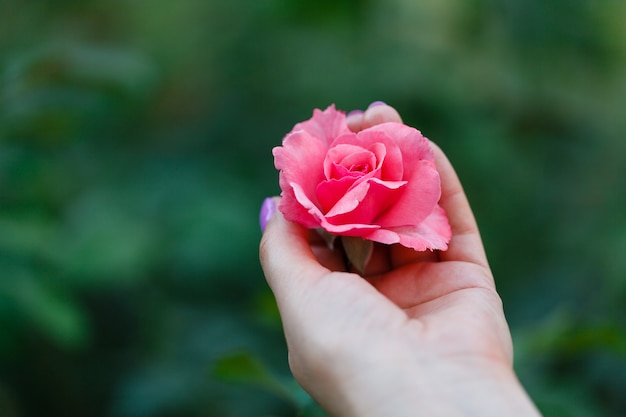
(135, 144)
(242, 367)
(245, 369)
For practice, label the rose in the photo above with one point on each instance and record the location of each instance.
(380, 184)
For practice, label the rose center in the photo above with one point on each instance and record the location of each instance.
(347, 160)
(360, 168)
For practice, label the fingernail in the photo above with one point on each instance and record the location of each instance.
(267, 211)
(354, 113)
(377, 103)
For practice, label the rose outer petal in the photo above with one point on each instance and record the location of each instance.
(325, 125)
(432, 233)
(300, 152)
(418, 199)
(412, 144)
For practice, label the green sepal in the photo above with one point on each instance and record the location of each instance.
(328, 238)
(358, 251)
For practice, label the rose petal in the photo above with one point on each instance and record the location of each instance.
(325, 125)
(418, 199)
(340, 159)
(350, 200)
(314, 212)
(411, 142)
(295, 159)
(294, 211)
(412, 146)
(361, 162)
(364, 201)
(433, 233)
(329, 192)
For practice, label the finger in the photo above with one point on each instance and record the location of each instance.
(287, 260)
(378, 113)
(354, 119)
(465, 244)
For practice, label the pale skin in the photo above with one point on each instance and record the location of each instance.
(423, 334)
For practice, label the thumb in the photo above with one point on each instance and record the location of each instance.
(286, 257)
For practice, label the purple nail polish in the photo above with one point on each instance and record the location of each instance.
(377, 103)
(267, 211)
(355, 113)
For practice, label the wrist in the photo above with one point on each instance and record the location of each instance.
(480, 391)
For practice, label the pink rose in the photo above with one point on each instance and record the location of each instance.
(380, 184)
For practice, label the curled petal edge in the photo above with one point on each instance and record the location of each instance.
(433, 233)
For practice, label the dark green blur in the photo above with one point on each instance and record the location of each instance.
(135, 151)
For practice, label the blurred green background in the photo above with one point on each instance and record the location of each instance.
(135, 150)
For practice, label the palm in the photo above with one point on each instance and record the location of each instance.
(459, 312)
(453, 306)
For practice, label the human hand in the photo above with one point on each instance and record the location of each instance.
(423, 333)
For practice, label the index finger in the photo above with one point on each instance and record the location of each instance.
(377, 113)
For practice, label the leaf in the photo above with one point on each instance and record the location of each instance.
(241, 367)
(244, 368)
(313, 410)
(358, 250)
(51, 310)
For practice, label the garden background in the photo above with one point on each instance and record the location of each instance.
(135, 151)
